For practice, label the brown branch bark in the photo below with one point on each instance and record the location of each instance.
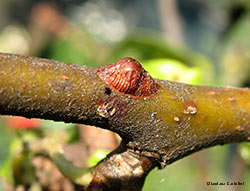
(179, 120)
(121, 170)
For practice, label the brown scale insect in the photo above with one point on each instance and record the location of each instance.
(128, 77)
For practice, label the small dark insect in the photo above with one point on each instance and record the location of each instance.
(128, 77)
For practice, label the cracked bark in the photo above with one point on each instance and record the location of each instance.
(179, 120)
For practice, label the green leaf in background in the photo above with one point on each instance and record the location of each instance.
(66, 51)
(49, 124)
(149, 46)
(5, 141)
(245, 152)
(97, 156)
(174, 70)
(60, 131)
(7, 170)
(234, 54)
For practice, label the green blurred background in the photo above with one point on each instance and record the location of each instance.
(192, 41)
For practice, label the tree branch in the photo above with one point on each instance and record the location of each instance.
(178, 120)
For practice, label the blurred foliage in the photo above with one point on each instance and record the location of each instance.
(169, 69)
(5, 138)
(235, 54)
(150, 46)
(95, 33)
(245, 152)
(5, 142)
(97, 157)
